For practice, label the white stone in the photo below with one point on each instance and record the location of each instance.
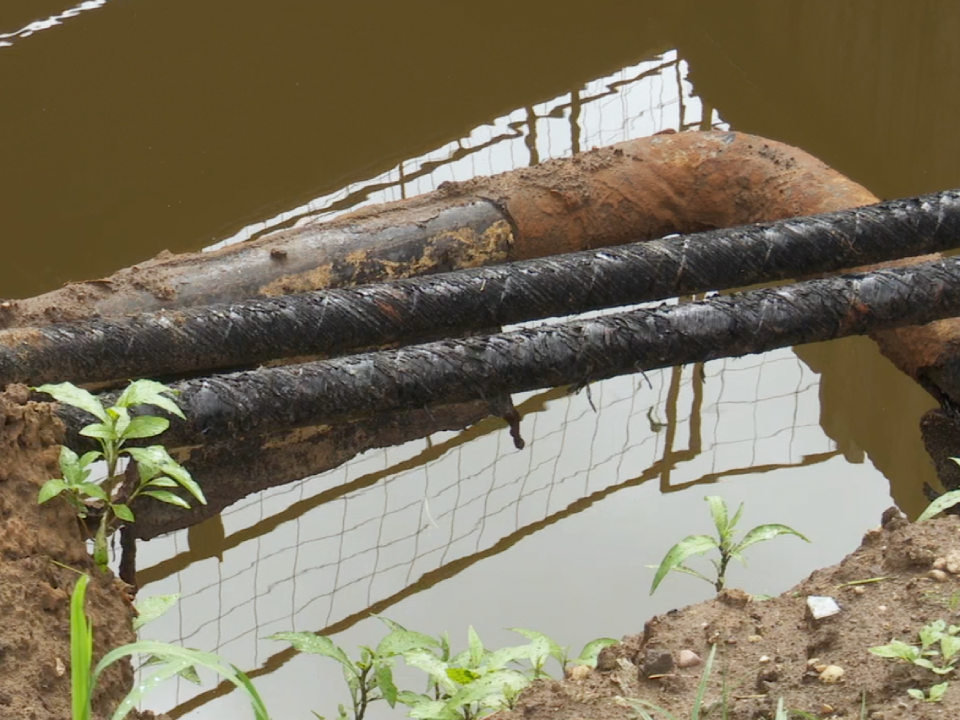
(688, 658)
(822, 607)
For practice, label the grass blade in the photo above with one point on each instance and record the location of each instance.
(81, 651)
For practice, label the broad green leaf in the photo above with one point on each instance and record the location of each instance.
(99, 430)
(92, 490)
(897, 649)
(167, 497)
(949, 646)
(384, 675)
(761, 533)
(401, 641)
(489, 688)
(501, 657)
(718, 510)
(944, 502)
(183, 477)
(144, 426)
(937, 691)
(679, 553)
(410, 698)
(314, 644)
(89, 457)
(931, 633)
(70, 394)
(122, 511)
(150, 608)
(163, 481)
(70, 465)
(918, 694)
(542, 643)
(150, 392)
(462, 676)
(476, 647)
(432, 665)
(50, 489)
(591, 651)
(433, 710)
(155, 455)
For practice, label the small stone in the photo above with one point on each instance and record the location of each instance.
(731, 640)
(826, 709)
(59, 667)
(938, 575)
(688, 659)
(953, 561)
(764, 659)
(881, 608)
(754, 638)
(831, 674)
(607, 659)
(820, 607)
(580, 672)
(859, 590)
(657, 662)
(940, 563)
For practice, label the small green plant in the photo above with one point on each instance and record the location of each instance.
(644, 708)
(725, 543)
(110, 497)
(937, 642)
(466, 686)
(935, 694)
(166, 660)
(944, 502)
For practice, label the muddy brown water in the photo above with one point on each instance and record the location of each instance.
(132, 126)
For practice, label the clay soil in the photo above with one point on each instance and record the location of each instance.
(36, 542)
(772, 649)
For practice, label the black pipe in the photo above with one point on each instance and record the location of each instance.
(334, 321)
(459, 370)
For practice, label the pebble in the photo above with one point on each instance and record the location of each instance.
(938, 575)
(953, 561)
(754, 638)
(580, 672)
(764, 659)
(831, 674)
(821, 607)
(688, 658)
(940, 563)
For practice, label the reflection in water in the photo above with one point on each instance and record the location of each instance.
(7, 39)
(373, 535)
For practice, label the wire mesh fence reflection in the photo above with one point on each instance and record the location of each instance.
(332, 549)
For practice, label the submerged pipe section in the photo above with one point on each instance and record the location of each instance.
(334, 321)
(460, 370)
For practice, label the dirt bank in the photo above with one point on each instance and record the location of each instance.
(771, 649)
(34, 591)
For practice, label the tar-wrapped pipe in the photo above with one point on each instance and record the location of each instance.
(459, 370)
(405, 311)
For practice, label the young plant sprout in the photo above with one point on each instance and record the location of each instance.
(725, 543)
(110, 498)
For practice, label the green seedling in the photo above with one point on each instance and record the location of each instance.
(725, 543)
(370, 678)
(110, 498)
(466, 686)
(937, 642)
(644, 708)
(944, 502)
(935, 694)
(932, 635)
(165, 660)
